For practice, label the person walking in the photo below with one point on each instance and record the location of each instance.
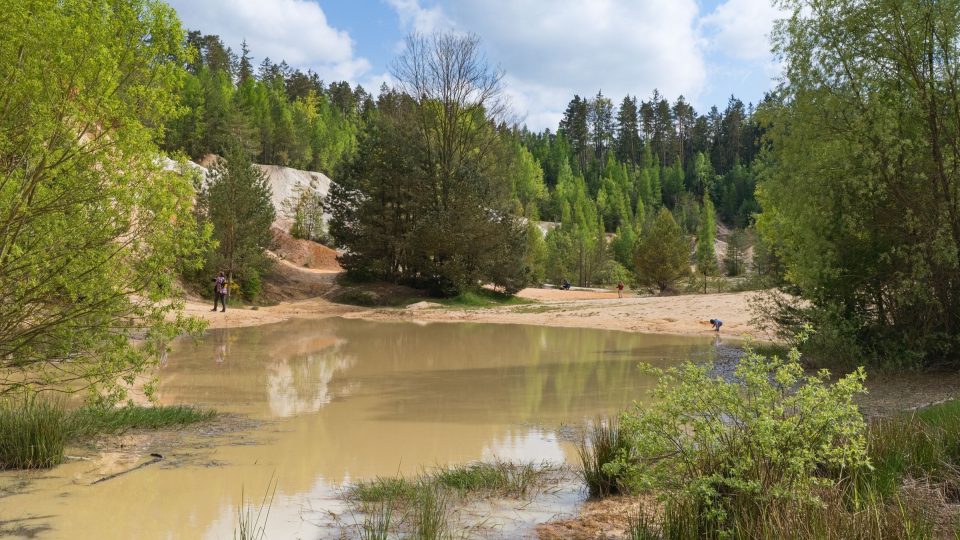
(620, 289)
(220, 291)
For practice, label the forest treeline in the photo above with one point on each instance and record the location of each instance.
(606, 169)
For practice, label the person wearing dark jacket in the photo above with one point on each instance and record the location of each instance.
(220, 291)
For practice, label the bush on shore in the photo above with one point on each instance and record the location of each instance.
(778, 453)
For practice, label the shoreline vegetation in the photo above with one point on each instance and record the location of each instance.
(35, 431)
(772, 453)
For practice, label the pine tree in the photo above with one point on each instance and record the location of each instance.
(236, 202)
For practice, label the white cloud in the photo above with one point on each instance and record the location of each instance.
(415, 17)
(552, 50)
(741, 28)
(293, 30)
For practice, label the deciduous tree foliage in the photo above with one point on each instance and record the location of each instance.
(862, 195)
(432, 196)
(90, 223)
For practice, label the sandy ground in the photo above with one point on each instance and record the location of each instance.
(687, 315)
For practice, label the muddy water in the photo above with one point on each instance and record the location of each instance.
(340, 400)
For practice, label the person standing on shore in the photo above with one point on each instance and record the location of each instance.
(620, 289)
(716, 323)
(220, 291)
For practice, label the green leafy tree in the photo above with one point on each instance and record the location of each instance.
(306, 208)
(862, 196)
(235, 200)
(706, 257)
(90, 223)
(662, 254)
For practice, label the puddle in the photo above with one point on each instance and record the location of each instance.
(344, 400)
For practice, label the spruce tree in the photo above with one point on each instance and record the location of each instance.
(706, 257)
(662, 254)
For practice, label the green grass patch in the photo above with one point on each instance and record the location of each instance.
(90, 422)
(383, 490)
(35, 431)
(501, 478)
(480, 298)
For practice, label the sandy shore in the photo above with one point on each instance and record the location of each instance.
(687, 315)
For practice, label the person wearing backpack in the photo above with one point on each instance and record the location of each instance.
(220, 291)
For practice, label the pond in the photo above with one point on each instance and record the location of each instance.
(341, 400)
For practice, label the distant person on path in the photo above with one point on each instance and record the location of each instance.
(620, 289)
(220, 291)
(717, 323)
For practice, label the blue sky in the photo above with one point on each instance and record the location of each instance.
(550, 50)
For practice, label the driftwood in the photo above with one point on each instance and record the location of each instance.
(156, 459)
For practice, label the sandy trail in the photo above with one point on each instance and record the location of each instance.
(687, 315)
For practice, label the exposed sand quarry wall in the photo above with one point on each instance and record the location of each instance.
(283, 184)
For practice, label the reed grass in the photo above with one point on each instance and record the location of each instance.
(430, 514)
(377, 521)
(497, 477)
(33, 432)
(601, 444)
(252, 520)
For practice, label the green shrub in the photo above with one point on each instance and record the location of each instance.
(713, 449)
(251, 285)
(33, 432)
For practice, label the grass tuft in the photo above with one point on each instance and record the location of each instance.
(601, 444)
(376, 523)
(33, 432)
(252, 521)
(430, 514)
(381, 490)
(494, 478)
